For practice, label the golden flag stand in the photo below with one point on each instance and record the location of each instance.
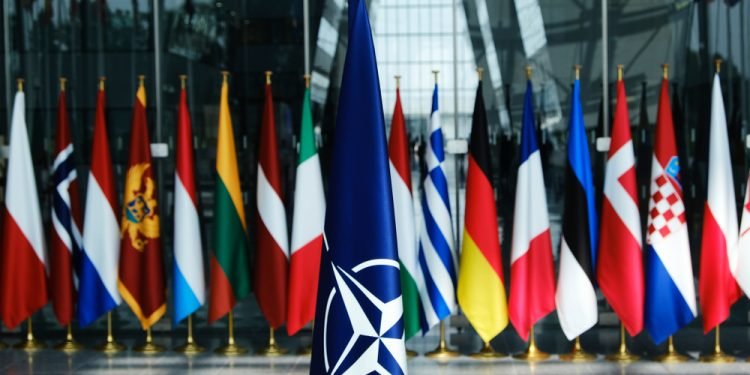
(190, 346)
(671, 356)
(532, 354)
(231, 348)
(70, 345)
(487, 352)
(30, 344)
(149, 347)
(622, 355)
(718, 355)
(577, 354)
(110, 346)
(273, 349)
(442, 351)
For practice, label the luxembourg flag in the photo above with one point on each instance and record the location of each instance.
(24, 258)
(188, 280)
(717, 286)
(97, 289)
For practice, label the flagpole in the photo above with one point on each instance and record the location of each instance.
(231, 348)
(69, 345)
(622, 355)
(31, 344)
(190, 347)
(149, 347)
(718, 355)
(110, 346)
(272, 349)
(442, 351)
(578, 354)
(532, 353)
(671, 356)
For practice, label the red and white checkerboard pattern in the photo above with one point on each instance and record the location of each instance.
(666, 210)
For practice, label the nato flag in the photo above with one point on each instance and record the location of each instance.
(358, 324)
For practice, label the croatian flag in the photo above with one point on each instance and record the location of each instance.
(670, 293)
(97, 290)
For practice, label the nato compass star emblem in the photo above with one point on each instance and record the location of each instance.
(374, 342)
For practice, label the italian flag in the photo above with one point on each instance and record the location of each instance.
(307, 227)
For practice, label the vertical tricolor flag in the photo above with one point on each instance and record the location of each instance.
(358, 321)
(532, 272)
(575, 295)
(481, 286)
(403, 205)
(66, 238)
(23, 280)
(272, 254)
(670, 290)
(620, 267)
(437, 259)
(307, 227)
(141, 276)
(188, 280)
(230, 274)
(718, 288)
(97, 288)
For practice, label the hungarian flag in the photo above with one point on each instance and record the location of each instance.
(272, 256)
(406, 234)
(620, 268)
(230, 274)
(717, 287)
(23, 265)
(307, 227)
(188, 280)
(575, 297)
(141, 276)
(66, 241)
(532, 271)
(481, 288)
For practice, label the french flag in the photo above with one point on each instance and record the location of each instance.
(24, 258)
(532, 273)
(718, 288)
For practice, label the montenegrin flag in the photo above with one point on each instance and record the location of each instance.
(188, 280)
(141, 277)
(717, 287)
(230, 274)
(307, 227)
(532, 270)
(24, 257)
(272, 254)
(403, 204)
(670, 288)
(97, 288)
(620, 268)
(481, 288)
(358, 322)
(66, 240)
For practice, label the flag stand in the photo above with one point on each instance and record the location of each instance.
(69, 345)
(110, 346)
(671, 356)
(718, 356)
(622, 355)
(487, 352)
(532, 354)
(442, 351)
(272, 350)
(231, 349)
(31, 344)
(578, 354)
(190, 347)
(149, 347)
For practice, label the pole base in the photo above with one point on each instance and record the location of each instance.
(717, 357)
(442, 352)
(487, 352)
(30, 345)
(577, 355)
(532, 354)
(149, 348)
(622, 357)
(110, 347)
(671, 357)
(190, 348)
(272, 350)
(231, 350)
(69, 346)
(305, 350)
(411, 354)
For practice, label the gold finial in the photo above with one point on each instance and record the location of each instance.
(665, 70)
(20, 84)
(307, 81)
(480, 72)
(398, 81)
(529, 70)
(225, 76)
(577, 69)
(619, 71)
(101, 82)
(62, 83)
(435, 72)
(183, 80)
(718, 65)
(268, 77)
(141, 80)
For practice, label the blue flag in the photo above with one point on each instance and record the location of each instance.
(358, 324)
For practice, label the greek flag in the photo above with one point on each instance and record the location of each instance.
(436, 257)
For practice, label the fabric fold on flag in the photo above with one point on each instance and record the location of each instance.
(481, 285)
(358, 324)
(532, 270)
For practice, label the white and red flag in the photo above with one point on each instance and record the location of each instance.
(717, 286)
(620, 267)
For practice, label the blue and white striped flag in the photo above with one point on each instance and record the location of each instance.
(436, 256)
